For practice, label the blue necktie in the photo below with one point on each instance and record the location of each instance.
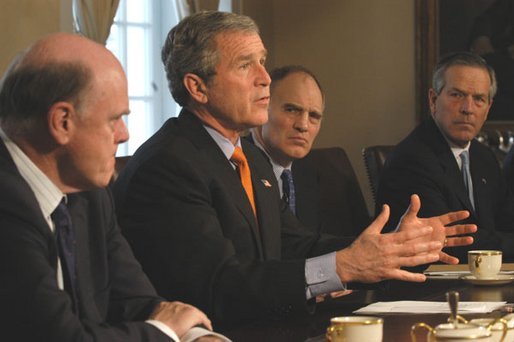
(466, 175)
(67, 249)
(288, 189)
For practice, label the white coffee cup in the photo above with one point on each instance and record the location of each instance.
(464, 332)
(355, 329)
(485, 264)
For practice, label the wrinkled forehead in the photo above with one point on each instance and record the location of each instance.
(236, 44)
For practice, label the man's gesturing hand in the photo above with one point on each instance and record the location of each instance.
(442, 233)
(373, 256)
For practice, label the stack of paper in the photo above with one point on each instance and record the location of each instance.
(407, 306)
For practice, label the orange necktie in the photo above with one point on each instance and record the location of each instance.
(239, 159)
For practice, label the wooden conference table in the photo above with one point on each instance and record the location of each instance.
(311, 328)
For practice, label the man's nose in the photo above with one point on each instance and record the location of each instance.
(263, 78)
(468, 105)
(302, 122)
(121, 133)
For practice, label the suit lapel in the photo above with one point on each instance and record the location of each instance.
(78, 209)
(480, 181)
(449, 165)
(23, 200)
(456, 181)
(266, 197)
(306, 183)
(194, 130)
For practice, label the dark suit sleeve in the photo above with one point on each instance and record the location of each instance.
(172, 216)
(33, 308)
(406, 175)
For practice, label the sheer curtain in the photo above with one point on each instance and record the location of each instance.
(187, 7)
(93, 18)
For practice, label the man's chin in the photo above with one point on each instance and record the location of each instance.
(297, 154)
(462, 141)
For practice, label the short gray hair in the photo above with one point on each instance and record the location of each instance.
(465, 59)
(190, 47)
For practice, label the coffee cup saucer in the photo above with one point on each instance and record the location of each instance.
(499, 279)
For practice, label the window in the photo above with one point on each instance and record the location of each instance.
(137, 34)
(139, 28)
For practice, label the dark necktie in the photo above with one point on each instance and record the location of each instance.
(288, 189)
(67, 249)
(239, 159)
(466, 175)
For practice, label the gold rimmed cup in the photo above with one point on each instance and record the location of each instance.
(485, 264)
(355, 329)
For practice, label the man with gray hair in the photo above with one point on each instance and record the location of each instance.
(446, 166)
(67, 273)
(195, 191)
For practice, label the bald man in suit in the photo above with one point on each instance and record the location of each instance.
(67, 273)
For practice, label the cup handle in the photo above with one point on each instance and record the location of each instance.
(505, 327)
(330, 330)
(460, 319)
(478, 261)
(419, 325)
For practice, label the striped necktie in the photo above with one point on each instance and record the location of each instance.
(288, 189)
(67, 249)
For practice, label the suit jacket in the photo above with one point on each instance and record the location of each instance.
(183, 209)
(423, 164)
(114, 294)
(328, 197)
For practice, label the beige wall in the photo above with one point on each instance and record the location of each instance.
(363, 53)
(22, 22)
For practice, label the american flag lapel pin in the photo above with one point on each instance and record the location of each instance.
(266, 183)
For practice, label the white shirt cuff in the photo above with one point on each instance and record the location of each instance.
(321, 276)
(164, 328)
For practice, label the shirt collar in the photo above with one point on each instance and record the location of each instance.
(46, 192)
(223, 143)
(456, 150)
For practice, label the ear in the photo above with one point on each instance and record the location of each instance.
(196, 88)
(60, 123)
(432, 97)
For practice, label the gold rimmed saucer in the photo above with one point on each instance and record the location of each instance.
(500, 279)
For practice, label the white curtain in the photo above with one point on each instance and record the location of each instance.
(93, 18)
(187, 7)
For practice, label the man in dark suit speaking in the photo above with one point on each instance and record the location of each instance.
(196, 191)
(66, 272)
(446, 166)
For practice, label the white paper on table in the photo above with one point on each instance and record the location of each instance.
(408, 306)
(454, 274)
(446, 274)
